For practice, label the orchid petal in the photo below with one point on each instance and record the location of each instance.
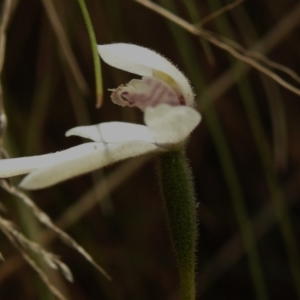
(171, 124)
(22, 165)
(91, 156)
(145, 62)
(113, 132)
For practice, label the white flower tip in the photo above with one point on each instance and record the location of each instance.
(25, 185)
(28, 184)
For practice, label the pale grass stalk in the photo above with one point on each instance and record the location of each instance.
(219, 12)
(215, 41)
(21, 243)
(45, 220)
(80, 209)
(65, 46)
(272, 39)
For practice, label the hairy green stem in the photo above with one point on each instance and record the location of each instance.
(178, 193)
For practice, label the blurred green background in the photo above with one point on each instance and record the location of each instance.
(245, 155)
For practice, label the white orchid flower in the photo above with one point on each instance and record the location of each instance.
(163, 93)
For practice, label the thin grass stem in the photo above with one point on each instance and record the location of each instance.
(96, 58)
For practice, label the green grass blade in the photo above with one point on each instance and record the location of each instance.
(96, 58)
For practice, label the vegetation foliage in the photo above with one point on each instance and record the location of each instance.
(242, 58)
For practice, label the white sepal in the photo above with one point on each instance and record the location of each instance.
(171, 125)
(22, 165)
(113, 132)
(91, 156)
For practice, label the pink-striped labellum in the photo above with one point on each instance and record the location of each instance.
(147, 92)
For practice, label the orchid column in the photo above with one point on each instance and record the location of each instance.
(163, 85)
(166, 98)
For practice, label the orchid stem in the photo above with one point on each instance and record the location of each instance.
(178, 193)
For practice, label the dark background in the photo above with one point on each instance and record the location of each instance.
(245, 154)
